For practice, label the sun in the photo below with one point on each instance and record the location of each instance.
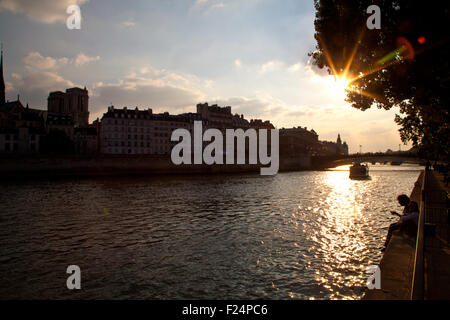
(339, 85)
(342, 83)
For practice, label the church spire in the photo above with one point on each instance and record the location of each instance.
(2, 81)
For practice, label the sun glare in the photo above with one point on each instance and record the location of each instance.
(339, 85)
(342, 83)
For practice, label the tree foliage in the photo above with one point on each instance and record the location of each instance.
(404, 64)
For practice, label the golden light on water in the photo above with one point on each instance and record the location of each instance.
(342, 200)
(340, 235)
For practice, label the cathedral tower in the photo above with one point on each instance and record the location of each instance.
(2, 83)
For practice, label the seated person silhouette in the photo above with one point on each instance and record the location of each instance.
(408, 219)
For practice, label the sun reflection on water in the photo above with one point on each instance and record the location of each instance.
(339, 237)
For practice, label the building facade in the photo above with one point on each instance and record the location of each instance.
(298, 141)
(334, 148)
(21, 128)
(74, 102)
(60, 122)
(86, 140)
(134, 131)
(215, 116)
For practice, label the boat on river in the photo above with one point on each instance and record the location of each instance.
(359, 171)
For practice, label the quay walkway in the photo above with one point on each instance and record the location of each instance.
(419, 268)
(437, 239)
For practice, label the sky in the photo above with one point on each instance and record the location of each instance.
(169, 55)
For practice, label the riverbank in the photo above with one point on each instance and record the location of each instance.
(397, 264)
(407, 274)
(85, 166)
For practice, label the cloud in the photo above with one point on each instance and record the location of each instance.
(160, 98)
(82, 59)
(149, 87)
(34, 87)
(304, 111)
(209, 4)
(41, 77)
(36, 60)
(207, 7)
(314, 70)
(45, 11)
(128, 24)
(9, 87)
(271, 66)
(260, 106)
(295, 67)
(250, 107)
(40, 80)
(201, 2)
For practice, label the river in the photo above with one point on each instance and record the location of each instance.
(296, 235)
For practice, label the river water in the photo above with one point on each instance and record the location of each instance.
(297, 235)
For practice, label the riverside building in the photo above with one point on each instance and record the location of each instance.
(134, 131)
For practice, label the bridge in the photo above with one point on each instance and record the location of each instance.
(340, 160)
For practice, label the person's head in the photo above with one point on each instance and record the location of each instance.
(403, 199)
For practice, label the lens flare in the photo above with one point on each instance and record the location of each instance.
(404, 50)
(408, 50)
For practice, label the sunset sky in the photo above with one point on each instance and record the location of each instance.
(172, 54)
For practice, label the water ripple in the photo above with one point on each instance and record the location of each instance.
(302, 235)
